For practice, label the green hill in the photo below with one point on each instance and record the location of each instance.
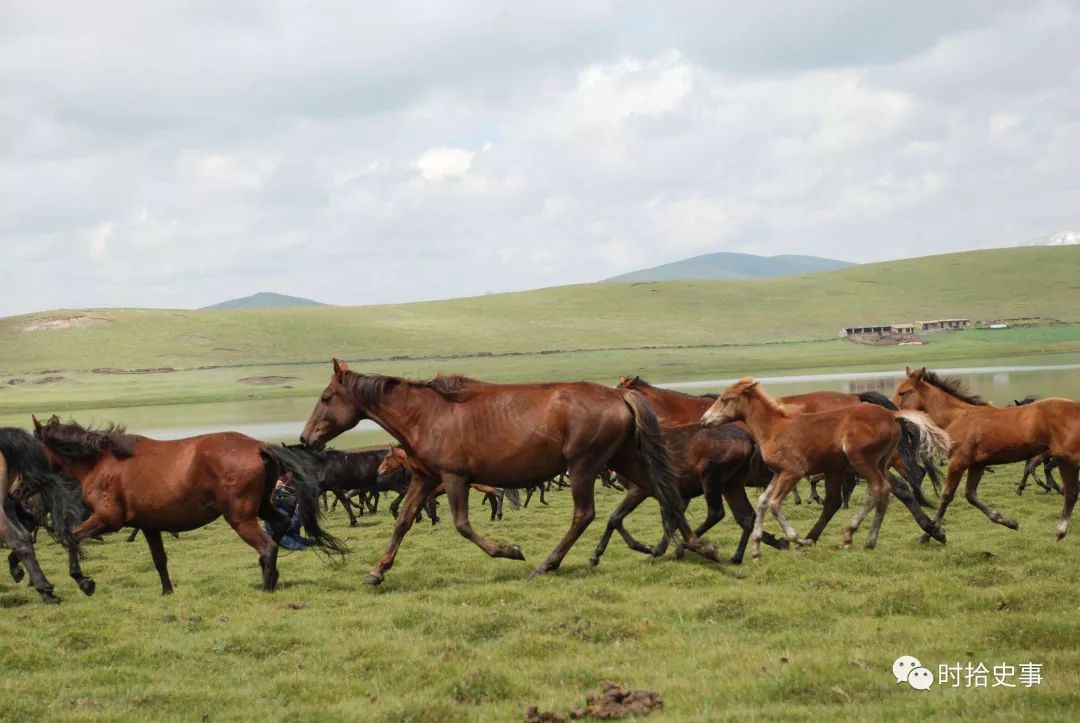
(992, 284)
(724, 265)
(262, 300)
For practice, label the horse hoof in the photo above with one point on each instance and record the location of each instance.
(680, 551)
(869, 545)
(593, 561)
(49, 599)
(17, 574)
(372, 578)
(1011, 524)
(88, 586)
(805, 542)
(514, 553)
(735, 561)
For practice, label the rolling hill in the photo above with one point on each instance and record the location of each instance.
(262, 300)
(724, 265)
(991, 284)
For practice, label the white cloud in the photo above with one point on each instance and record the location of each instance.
(436, 164)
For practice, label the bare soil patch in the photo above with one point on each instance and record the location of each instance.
(64, 322)
(611, 703)
(265, 380)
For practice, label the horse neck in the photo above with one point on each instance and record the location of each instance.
(942, 407)
(404, 412)
(762, 415)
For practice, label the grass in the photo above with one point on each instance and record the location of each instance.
(453, 635)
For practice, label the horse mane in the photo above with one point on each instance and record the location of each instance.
(954, 387)
(369, 389)
(1030, 399)
(637, 382)
(771, 402)
(74, 441)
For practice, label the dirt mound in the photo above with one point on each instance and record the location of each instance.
(16, 381)
(63, 322)
(612, 702)
(48, 380)
(265, 380)
(115, 370)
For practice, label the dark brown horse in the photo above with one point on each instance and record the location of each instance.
(173, 486)
(984, 434)
(718, 463)
(459, 430)
(859, 439)
(678, 408)
(29, 490)
(397, 458)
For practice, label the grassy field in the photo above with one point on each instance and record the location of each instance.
(453, 635)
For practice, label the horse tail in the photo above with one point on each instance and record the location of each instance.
(920, 442)
(879, 399)
(61, 495)
(306, 472)
(514, 495)
(651, 449)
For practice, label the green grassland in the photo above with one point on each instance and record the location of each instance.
(669, 330)
(455, 636)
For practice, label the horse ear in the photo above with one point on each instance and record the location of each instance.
(623, 380)
(340, 367)
(37, 424)
(921, 373)
(907, 371)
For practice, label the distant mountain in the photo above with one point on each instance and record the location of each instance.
(724, 265)
(262, 300)
(1061, 238)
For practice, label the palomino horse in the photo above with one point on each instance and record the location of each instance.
(397, 458)
(985, 435)
(859, 439)
(676, 408)
(718, 463)
(29, 489)
(459, 430)
(173, 486)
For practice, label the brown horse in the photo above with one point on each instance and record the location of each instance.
(173, 486)
(397, 458)
(28, 490)
(985, 435)
(677, 408)
(718, 463)
(859, 440)
(459, 430)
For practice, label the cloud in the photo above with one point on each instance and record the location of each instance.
(371, 152)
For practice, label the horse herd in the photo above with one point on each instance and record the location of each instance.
(454, 434)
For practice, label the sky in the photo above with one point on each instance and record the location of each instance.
(175, 154)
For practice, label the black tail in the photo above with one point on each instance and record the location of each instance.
(909, 455)
(651, 447)
(879, 399)
(306, 473)
(61, 495)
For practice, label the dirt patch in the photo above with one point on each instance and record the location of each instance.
(48, 380)
(149, 370)
(16, 381)
(265, 380)
(64, 322)
(612, 702)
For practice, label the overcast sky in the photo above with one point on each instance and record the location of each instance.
(177, 154)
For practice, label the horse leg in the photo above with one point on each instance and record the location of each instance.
(157, 552)
(879, 517)
(341, 497)
(18, 539)
(581, 489)
(634, 497)
(901, 491)
(1069, 480)
(871, 501)
(251, 532)
(660, 548)
(795, 494)
(457, 494)
(952, 481)
(759, 519)
(1051, 483)
(418, 491)
(785, 484)
(850, 481)
(1029, 471)
(735, 494)
(14, 567)
(975, 474)
(833, 497)
(814, 496)
(133, 535)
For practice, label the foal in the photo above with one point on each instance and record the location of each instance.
(985, 435)
(858, 440)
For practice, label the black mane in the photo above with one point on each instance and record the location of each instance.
(954, 387)
(74, 441)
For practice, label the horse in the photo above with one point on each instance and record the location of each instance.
(1049, 464)
(678, 408)
(985, 435)
(458, 430)
(129, 480)
(718, 463)
(860, 439)
(30, 489)
(397, 458)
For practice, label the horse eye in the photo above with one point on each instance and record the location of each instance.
(325, 400)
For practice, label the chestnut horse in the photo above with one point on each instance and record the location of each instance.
(985, 435)
(677, 408)
(718, 463)
(458, 430)
(28, 490)
(173, 486)
(860, 440)
(397, 458)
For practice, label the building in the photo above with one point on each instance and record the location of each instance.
(859, 330)
(903, 328)
(943, 325)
